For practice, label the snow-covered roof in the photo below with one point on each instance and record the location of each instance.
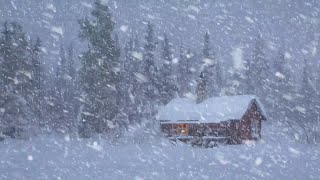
(215, 109)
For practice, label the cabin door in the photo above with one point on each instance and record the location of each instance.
(254, 126)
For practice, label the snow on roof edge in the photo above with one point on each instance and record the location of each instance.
(260, 106)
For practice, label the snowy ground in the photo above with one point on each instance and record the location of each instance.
(275, 157)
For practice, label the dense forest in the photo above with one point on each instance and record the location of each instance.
(112, 85)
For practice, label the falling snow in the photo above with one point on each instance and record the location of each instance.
(83, 85)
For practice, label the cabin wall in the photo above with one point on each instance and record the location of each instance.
(252, 114)
(245, 133)
(234, 131)
(193, 129)
(224, 129)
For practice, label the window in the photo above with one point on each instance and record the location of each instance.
(183, 129)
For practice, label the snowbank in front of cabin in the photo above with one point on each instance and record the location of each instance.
(274, 157)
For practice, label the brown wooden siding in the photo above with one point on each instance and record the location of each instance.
(252, 114)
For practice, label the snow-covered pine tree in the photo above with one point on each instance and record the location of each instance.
(282, 88)
(258, 70)
(184, 73)
(64, 100)
(99, 73)
(250, 87)
(117, 69)
(168, 88)
(218, 88)
(127, 78)
(136, 95)
(129, 69)
(72, 94)
(37, 98)
(318, 77)
(201, 89)
(280, 72)
(55, 99)
(318, 97)
(15, 78)
(149, 75)
(61, 83)
(206, 46)
(17, 61)
(306, 113)
(121, 123)
(210, 68)
(307, 94)
(71, 63)
(317, 84)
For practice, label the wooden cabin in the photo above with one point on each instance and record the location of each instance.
(228, 119)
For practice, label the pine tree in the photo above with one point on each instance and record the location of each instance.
(37, 80)
(184, 73)
(99, 74)
(258, 70)
(130, 85)
(202, 89)
(8, 65)
(117, 69)
(306, 106)
(318, 94)
(15, 67)
(149, 71)
(135, 94)
(318, 78)
(281, 87)
(217, 91)
(65, 92)
(206, 47)
(168, 88)
(58, 110)
(307, 93)
(72, 89)
(16, 81)
(211, 69)
(250, 87)
(71, 63)
(280, 72)
(127, 80)
(317, 106)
